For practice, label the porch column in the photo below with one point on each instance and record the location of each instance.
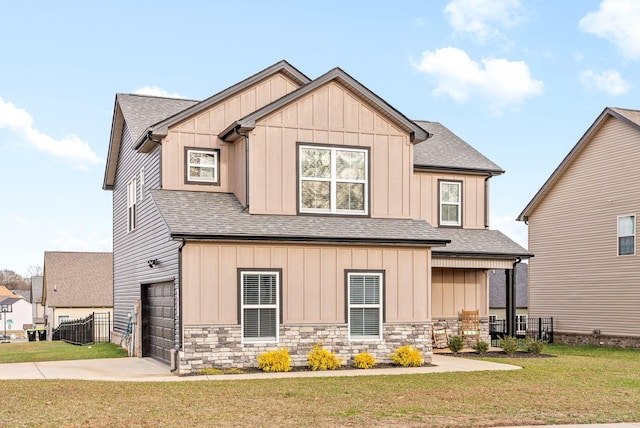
(510, 300)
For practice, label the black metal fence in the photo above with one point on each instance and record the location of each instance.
(536, 328)
(96, 328)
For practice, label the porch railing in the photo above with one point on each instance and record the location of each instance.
(96, 328)
(536, 328)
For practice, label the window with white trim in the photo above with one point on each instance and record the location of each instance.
(333, 180)
(202, 166)
(260, 306)
(131, 204)
(450, 203)
(626, 235)
(364, 291)
(521, 324)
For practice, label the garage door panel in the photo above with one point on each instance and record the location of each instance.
(157, 322)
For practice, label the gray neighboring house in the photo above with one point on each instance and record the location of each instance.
(498, 300)
(37, 283)
(75, 285)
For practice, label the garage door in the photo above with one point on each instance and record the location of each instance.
(158, 321)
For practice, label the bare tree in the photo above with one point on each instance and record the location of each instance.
(34, 270)
(13, 281)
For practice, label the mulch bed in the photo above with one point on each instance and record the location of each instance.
(501, 354)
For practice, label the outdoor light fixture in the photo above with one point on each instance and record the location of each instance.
(152, 262)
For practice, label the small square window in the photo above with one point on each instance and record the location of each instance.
(201, 166)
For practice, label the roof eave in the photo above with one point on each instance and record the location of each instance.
(115, 137)
(479, 254)
(477, 171)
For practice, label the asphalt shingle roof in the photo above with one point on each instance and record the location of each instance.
(497, 284)
(80, 280)
(221, 216)
(445, 150)
(480, 242)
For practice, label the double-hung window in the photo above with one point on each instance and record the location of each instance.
(260, 305)
(626, 235)
(364, 294)
(131, 204)
(202, 166)
(333, 180)
(450, 203)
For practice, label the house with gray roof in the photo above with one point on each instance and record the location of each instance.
(285, 211)
(75, 285)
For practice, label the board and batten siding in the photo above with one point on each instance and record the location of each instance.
(426, 197)
(330, 115)
(313, 280)
(150, 240)
(576, 275)
(456, 289)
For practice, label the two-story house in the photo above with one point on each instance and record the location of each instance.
(582, 228)
(284, 211)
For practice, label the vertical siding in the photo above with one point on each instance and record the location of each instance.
(150, 240)
(330, 115)
(577, 276)
(456, 289)
(313, 280)
(426, 196)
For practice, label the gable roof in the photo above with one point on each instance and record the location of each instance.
(630, 117)
(80, 280)
(248, 122)
(446, 151)
(480, 242)
(5, 292)
(220, 216)
(497, 287)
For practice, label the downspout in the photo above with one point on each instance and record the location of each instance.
(246, 168)
(178, 344)
(486, 201)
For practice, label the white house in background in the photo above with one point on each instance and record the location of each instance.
(19, 318)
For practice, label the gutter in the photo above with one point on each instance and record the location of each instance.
(298, 240)
(486, 200)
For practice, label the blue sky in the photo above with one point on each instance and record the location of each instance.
(520, 80)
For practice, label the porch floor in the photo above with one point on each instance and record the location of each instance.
(464, 350)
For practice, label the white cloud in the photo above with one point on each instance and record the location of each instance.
(516, 230)
(616, 21)
(609, 81)
(483, 19)
(70, 148)
(501, 82)
(156, 92)
(92, 240)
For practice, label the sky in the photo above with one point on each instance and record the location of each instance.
(519, 80)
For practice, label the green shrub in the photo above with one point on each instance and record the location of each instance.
(481, 347)
(509, 345)
(364, 360)
(322, 359)
(456, 343)
(407, 356)
(277, 360)
(535, 346)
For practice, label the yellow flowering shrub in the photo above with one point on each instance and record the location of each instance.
(277, 360)
(322, 359)
(364, 360)
(407, 356)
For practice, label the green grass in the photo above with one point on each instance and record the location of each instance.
(581, 385)
(25, 352)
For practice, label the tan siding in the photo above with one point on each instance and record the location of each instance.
(425, 197)
(202, 131)
(576, 275)
(456, 289)
(313, 280)
(329, 116)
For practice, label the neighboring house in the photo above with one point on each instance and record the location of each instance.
(582, 229)
(285, 211)
(36, 301)
(19, 318)
(75, 285)
(498, 295)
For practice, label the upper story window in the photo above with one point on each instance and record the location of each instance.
(450, 203)
(626, 235)
(333, 180)
(260, 306)
(131, 204)
(365, 305)
(202, 166)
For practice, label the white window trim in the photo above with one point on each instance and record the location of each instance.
(243, 307)
(214, 166)
(618, 236)
(379, 305)
(131, 204)
(333, 180)
(458, 204)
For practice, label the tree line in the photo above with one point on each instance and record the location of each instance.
(14, 281)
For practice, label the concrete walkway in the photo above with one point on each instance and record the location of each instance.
(150, 370)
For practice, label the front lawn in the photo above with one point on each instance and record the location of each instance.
(26, 352)
(580, 385)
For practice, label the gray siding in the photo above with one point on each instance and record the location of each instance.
(576, 275)
(150, 239)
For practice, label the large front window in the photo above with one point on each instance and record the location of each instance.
(626, 235)
(260, 297)
(333, 180)
(365, 305)
(450, 203)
